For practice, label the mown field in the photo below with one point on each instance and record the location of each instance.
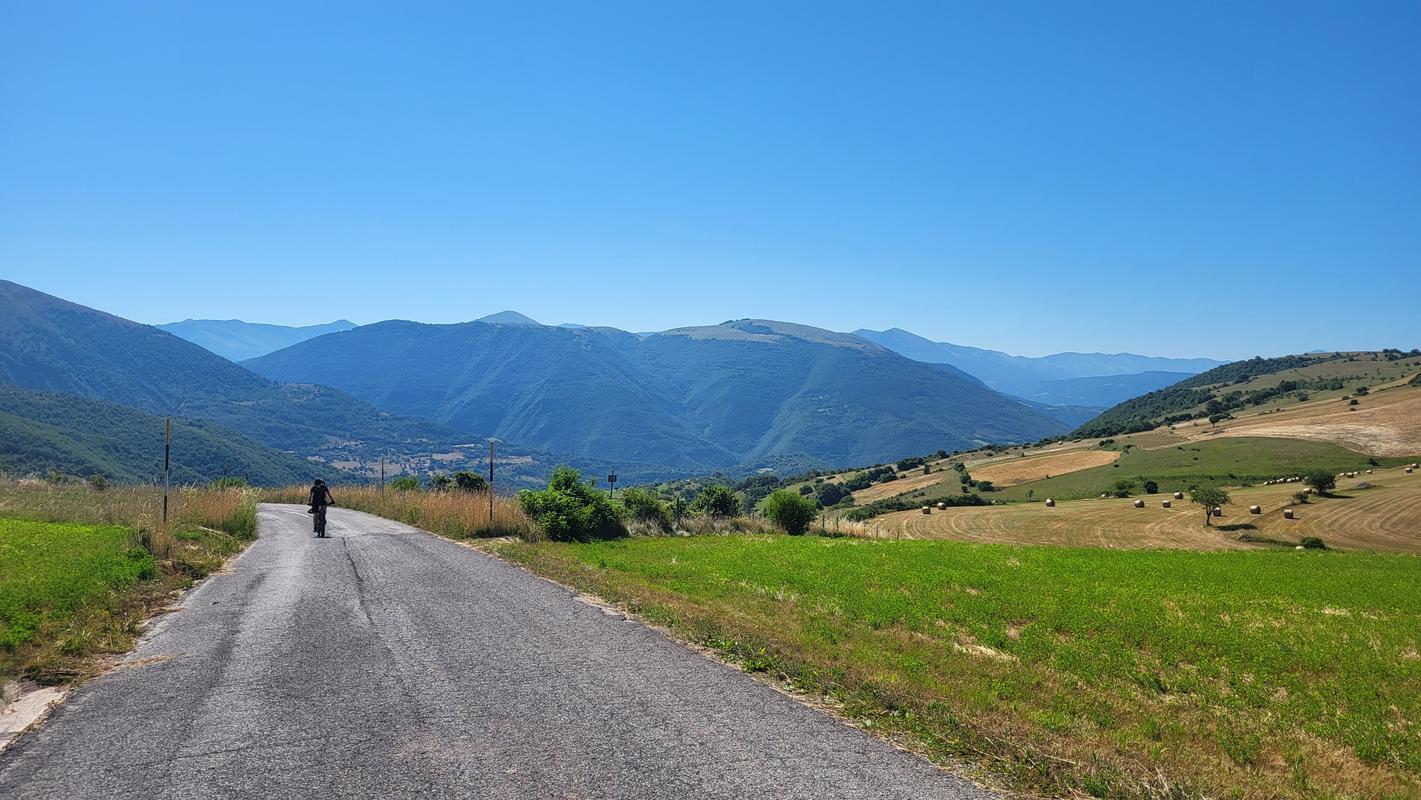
(1274, 673)
(81, 570)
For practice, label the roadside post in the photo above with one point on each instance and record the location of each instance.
(167, 462)
(612, 484)
(490, 480)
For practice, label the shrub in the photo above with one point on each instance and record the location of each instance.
(831, 494)
(806, 489)
(789, 511)
(466, 481)
(1321, 480)
(1300, 497)
(1122, 488)
(1312, 543)
(1151, 487)
(570, 510)
(229, 482)
(439, 482)
(405, 483)
(986, 486)
(716, 500)
(642, 505)
(98, 482)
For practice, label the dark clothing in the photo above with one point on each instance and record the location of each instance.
(320, 496)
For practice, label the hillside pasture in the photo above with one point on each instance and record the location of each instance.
(1383, 423)
(1385, 518)
(1011, 472)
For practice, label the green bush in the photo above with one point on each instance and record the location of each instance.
(1321, 480)
(439, 482)
(716, 500)
(831, 494)
(229, 482)
(405, 483)
(570, 510)
(466, 481)
(1312, 543)
(790, 512)
(644, 506)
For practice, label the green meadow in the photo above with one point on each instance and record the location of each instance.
(1113, 673)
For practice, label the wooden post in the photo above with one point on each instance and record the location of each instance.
(167, 462)
(490, 481)
(382, 477)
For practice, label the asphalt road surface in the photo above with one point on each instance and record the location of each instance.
(387, 662)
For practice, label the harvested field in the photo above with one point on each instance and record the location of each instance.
(913, 481)
(1384, 518)
(1020, 470)
(1385, 424)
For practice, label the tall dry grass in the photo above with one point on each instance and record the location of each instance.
(140, 508)
(455, 514)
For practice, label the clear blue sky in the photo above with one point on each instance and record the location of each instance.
(1217, 179)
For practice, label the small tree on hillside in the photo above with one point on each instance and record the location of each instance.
(788, 511)
(466, 481)
(1210, 497)
(716, 500)
(439, 482)
(1321, 480)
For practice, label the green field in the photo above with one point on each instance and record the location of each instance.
(1116, 673)
(78, 574)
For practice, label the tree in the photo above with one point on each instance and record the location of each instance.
(570, 510)
(439, 482)
(405, 483)
(789, 511)
(98, 482)
(1322, 481)
(1151, 487)
(830, 494)
(1210, 497)
(466, 481)
(716, 500)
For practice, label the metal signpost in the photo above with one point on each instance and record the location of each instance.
(611, 484)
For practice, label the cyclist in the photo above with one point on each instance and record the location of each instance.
(320, 497)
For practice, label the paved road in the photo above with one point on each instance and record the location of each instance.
(386, 662)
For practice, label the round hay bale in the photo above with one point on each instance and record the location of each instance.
(1255, 510)
(1218, 512)
(1166, 504)
(1139, 504)
(1287, 513)
(1179, 495)
(1408, 470)
(1308, 490)
(1050, 503)
(942, 506)
(927, 509)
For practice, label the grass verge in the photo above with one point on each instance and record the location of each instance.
(1064, 671)
(82, 570)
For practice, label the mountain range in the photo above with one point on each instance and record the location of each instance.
(236, 340)
(737, 396)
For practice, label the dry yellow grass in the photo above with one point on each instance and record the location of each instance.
(458, 515)
(1385, 423)
(913, 481)
(1020, 470)
(1384, 518)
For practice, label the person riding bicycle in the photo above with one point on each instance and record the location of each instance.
(319, 497)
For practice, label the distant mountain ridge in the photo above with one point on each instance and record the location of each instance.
(236, 340)
(741, 394)
(1058, 379)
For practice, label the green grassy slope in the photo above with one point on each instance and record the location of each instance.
(78, 436)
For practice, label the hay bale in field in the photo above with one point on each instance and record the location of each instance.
(1050, 503)
(1255, 510)
(1139, 504)
(1179, 495)
(1218, 512)
(1287, 513)
(927, 509)
(941, 506)
(1408, 470)
(1308, 490)
(1166, 504)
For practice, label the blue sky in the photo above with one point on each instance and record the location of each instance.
(1213, 179)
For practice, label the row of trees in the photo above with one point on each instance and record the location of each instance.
(571, 509)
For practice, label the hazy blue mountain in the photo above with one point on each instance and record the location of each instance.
(1035, 378)
(508, 318)
(79, 436)
(236, 340)
(1099, 392)
(741, 394)
(51, 345)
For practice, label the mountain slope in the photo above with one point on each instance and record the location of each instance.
(1025, 376)
(742, 394)
(78, 436)
(1100, 392)
(48, 344)
(236, 340)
